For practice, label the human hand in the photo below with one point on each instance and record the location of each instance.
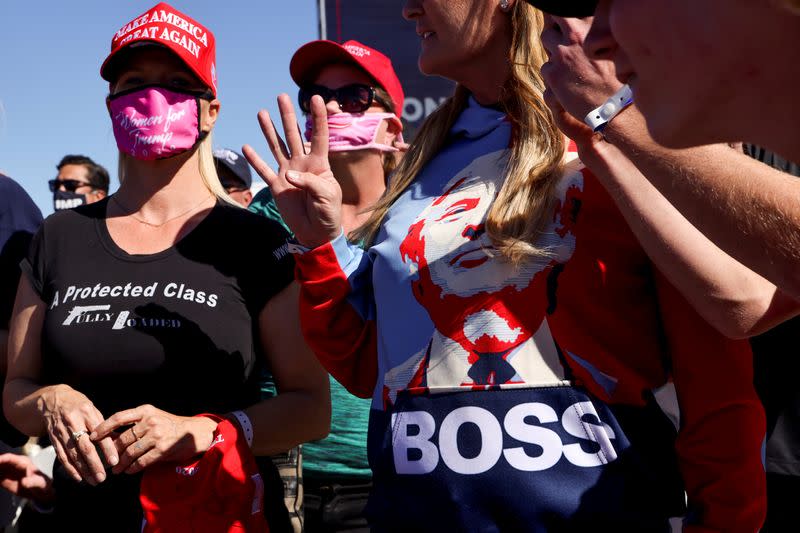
(155, 435)
(69, 416)
(579, 83)
(20, 476)
(305, 190)
(401, 146)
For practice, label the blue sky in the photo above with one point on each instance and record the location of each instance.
(52, 99)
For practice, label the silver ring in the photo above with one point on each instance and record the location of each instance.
(78, 434)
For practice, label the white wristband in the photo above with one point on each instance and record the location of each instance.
(598, 118)
(246, 425)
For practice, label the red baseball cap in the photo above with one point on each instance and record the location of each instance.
(182, 35)
(311, 57)
(221, 492)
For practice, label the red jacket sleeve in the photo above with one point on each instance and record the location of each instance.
(344, 340)
(722, 422)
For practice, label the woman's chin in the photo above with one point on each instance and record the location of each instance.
(430, 62)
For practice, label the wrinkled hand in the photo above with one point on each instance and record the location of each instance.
(579, 83)
(66, 413)
(154, 435)
(305, 190)
(20, 477)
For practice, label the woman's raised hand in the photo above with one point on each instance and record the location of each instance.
(305, 191)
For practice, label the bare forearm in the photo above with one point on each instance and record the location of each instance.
(289, 419)
(749, 210)
(727, 294)
(24, 405)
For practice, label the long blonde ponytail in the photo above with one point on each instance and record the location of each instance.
(515, 220)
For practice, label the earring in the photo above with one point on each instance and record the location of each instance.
(504, 5)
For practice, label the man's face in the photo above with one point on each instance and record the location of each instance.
(692, 64)
(76, 179)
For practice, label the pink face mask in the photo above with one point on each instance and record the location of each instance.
(347, 131)
(154, 122)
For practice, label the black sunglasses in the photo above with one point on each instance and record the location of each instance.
(70, 185)
(353, 98)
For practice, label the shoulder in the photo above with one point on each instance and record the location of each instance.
(68, 220)
(249, 233)
(13, 198)
(244, 220)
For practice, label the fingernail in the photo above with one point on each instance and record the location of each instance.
(113, 460)
(100, 476)
(292, 175)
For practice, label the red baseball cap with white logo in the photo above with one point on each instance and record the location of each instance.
(311, 57)
(221, 492)
(192, 42)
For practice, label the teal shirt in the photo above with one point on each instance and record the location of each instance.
(344, 451)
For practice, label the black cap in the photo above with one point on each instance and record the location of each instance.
(234, 172)
(566, 8)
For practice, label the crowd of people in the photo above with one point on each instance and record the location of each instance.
(536, 316)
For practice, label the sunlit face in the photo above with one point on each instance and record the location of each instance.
(80, 174)
(340, 75)
(454, 33)
(694, 65)
(76, 173)
(147, 65)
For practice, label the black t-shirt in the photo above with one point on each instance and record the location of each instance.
(176, 329)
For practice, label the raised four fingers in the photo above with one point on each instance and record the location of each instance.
(274, 141)
(273, 181)
(294, 138)
(319, 133)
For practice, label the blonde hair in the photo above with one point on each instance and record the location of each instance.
(522, 207)
(206, 167)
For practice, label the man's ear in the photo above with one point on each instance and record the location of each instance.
(99, 194)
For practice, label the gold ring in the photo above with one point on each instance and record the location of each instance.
(134, 433)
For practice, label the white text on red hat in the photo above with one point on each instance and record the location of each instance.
(195, 33)
(357, 50)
